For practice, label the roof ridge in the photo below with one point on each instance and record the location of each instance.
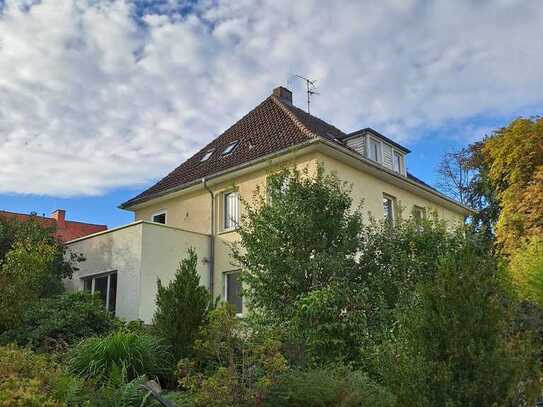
(293, 117)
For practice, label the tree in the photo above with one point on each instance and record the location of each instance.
(300, 238)
(526, 265)
(181, 307)
(463, 175)
(32, 266)
(298, 254)
(453, 344)
(514, 156)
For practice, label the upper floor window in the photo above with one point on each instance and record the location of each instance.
(159, 217)
(398, 162)
(207, 154)
(374, 150)
(105, 286)
(419, 214)
(232, 291)
(230, 148)
(388, 209)
(231, 210)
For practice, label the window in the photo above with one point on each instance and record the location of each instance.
(388, 208)
(398, 162)
(231, 210)
(419, 214)
(159, 217)
(232, 291)
(207, 154)
(105, 286)
(374, 150)
(230, 148)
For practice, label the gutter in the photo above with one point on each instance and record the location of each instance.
(211, 239)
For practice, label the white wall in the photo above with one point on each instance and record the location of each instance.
(163, 248)
(140, 253)
(117, 249)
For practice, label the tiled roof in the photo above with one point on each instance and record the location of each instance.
(65, 231)
(272, 126)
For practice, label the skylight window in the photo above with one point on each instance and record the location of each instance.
(207, 155)
(230, 148)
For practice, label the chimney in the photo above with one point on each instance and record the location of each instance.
(283, 94)
(60, 216)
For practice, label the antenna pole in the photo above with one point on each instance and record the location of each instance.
(310, 86)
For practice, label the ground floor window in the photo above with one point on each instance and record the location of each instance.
(232, 290)
(105, 285)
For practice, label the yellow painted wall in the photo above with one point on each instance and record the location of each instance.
(192, 212)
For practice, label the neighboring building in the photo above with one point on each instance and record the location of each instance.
(198, 203)
(65, 230)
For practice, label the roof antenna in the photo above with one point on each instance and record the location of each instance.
(310, 86)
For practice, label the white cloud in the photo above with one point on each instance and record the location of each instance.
(93, 98)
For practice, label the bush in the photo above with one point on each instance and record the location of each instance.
(454, 346)
(121, 353)
(331, 387)
(26, 379)
(181, 307)
(233, 365)
(55, 323)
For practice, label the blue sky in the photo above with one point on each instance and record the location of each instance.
(100, 98)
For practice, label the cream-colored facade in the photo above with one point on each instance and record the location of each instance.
(194, 218)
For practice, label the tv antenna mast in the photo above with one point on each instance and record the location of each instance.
(310, 86)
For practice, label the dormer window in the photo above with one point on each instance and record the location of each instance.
(207, 154)
(374, 150)
(230, 148)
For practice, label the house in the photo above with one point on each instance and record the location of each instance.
(198, 203)
(65, 230)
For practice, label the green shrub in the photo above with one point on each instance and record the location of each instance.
(55, 323)
(233, 365)
(27, 379)
(101, 358)
(181, 307)
(331, 387)
(453, 344)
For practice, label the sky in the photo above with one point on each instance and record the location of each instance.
(100, 98)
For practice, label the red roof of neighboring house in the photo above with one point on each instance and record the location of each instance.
(65, 230)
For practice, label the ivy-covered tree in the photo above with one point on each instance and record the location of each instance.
(181, 307)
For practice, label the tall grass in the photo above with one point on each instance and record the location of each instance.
(135, 354)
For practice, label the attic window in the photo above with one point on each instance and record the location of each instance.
(230, 148)
(207, 155)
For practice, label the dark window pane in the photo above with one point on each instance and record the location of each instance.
(87, 284)
(100, 288)
(233, 291)
(161, 218)
(112, 292)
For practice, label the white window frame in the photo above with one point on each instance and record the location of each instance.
(162, 212)
(379, 143)
(422, 211)
(225, 283)
(392, 200)
(235, 220)
(396, 153)
(93, 277)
